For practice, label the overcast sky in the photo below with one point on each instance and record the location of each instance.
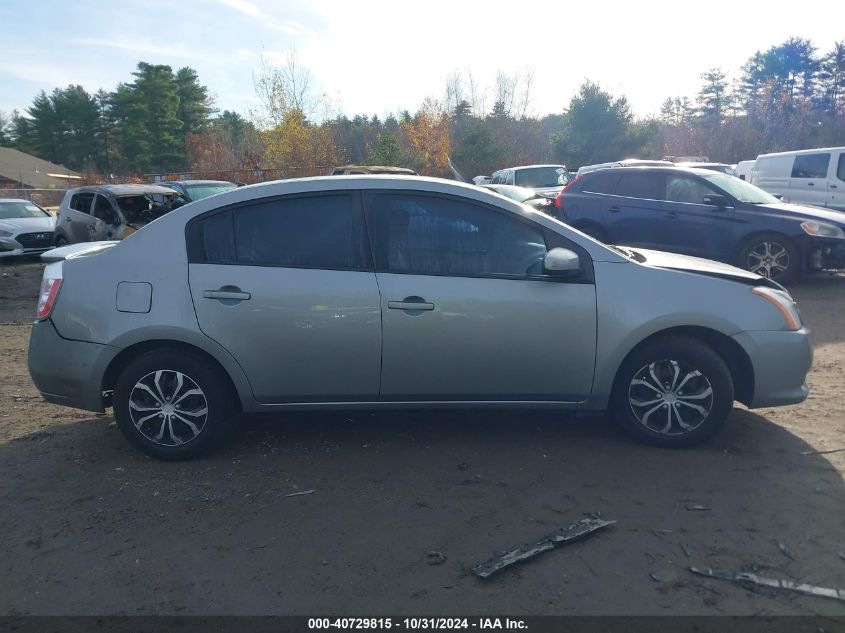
(382, 57)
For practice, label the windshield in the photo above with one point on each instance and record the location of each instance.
(11, 210)
(541, 177)
(198, 192)
(741, 190)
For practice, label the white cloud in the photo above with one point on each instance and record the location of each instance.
(288, 27)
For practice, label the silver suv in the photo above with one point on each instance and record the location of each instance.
(384, 291)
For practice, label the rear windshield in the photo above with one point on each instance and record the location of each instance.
(541, 177)
(11, 210)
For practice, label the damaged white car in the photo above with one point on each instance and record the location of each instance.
(111, 212)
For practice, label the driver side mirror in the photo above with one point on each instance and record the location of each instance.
(716, 200)
(559, 261)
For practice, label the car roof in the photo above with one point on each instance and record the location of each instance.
(533, 167)
(124, 190)
(652, 168)
(195, 182)
(5, 200)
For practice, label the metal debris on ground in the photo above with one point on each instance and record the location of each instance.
(776, 583)
(557, 538)
(435, 558)
(785, 551)
(299, 494)
(828, 452)
(698, 508)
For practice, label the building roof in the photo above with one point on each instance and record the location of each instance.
(34, 172)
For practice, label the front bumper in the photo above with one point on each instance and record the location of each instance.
(825, 253)
(9, 247)
(68, 372)
(781, 360)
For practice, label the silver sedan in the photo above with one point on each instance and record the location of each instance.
(384, 291)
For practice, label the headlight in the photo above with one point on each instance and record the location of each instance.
(783, 302)
(6, 234)
(820, 229)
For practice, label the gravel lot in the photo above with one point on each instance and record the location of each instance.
(91, 526)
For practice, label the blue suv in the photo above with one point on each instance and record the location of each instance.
(705, 214)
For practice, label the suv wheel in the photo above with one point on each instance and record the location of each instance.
(675, 392)
(771, 255)
(171, 404)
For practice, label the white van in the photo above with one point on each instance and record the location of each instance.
(743, 169)
(810, 176)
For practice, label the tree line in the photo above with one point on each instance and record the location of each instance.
(790, 96)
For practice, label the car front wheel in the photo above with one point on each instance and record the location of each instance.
(771, 255)
(172, 404)
(674, 392)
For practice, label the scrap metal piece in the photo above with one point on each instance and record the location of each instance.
(299, 494)
(559, 537)
(777, 583)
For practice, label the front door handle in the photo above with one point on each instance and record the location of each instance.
(671, 214)
(614, 209)
(412, 304)
(833, 186)
(227, 292)
(811, 184)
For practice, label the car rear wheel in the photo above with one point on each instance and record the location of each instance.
(674, 392)
(171, 404)
(771, 255)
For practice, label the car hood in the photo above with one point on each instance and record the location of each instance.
(806, 212)
(698, 265)
(28, 225)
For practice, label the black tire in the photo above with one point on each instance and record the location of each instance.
(596, 232)
(167, 435)
(61, 241)
(681, 425)
(771, 255)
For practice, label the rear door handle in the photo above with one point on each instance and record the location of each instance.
(811, 184)
(671, 214)
(411, 303)
(235, 295)
(614, 209)
(833, 186)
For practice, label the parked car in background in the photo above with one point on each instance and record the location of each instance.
(810, 176)
(743, 169)
(706, 214)
(348, 170)
(541, 202)
(111, 212)
(541, 178)
(25, 228)
(197, 189)
(721, 167)
(482, 180)
(628, 162)
(374, 292)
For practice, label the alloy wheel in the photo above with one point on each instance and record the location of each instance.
(768, 259)
(168, 408)
(670, 397)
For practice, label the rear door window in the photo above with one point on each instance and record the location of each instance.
(294, 232)
(604, 182)
(82, 202)
(639, 185)
(811, 165)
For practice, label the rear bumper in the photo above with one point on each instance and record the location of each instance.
(781, 361)
(69, 373)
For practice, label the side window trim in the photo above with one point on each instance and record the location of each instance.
(196, 250)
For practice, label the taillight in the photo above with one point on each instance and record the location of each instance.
(559, 199)
(47, 297)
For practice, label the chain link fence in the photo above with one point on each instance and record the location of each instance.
(47, 198)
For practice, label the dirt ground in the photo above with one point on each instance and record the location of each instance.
(90, 526)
